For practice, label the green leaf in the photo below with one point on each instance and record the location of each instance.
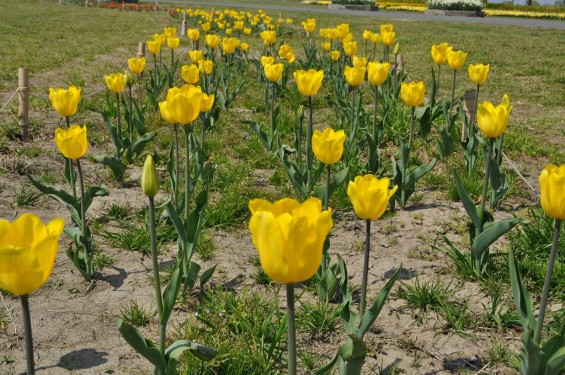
(141, 345)
(138, 145)
(556, 363)
(327, 285)
(176, 220)
(170, 296)
(349, 318)
(335, 182)
(467, 201)
(327, 368)
(533, 359)
(521, 297)
(94, 191)
(191, 276)
(202, 352)
(72, 203)
(206, 275)
(116, 165)
(112, 130)
(371, 314)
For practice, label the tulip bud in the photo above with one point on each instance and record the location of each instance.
(149, 181)
(396, 50)
(128, 78)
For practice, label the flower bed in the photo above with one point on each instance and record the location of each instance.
(459, 5)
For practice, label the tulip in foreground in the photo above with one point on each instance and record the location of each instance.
(354, 75)
(273, 72)
(493, 120)
(328, 145)
(309, 82)
(72, 142)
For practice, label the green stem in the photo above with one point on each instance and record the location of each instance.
(68, 121)
(309, 153)
(156, 278)
(85, 242)
(273, 122)
(438, 73)
(547, 282)
(472, 124)
(187, 190)
(362, 303)
(299, 153)
(202, 136)
(130, 125)
(176, 187)
(453, 90)
(155, 74)
(375, 115)
(327, 197)
(291, 329)
(119, 127)
(412, 115)
(28, 335)
(485, 186)
(353, 110)
(139, 87)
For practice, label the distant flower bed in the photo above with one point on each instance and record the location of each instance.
(414, 7)
(127, 6)
(518, 13)
(354, 2)
(455, 4)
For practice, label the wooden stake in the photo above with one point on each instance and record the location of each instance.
(141, 49)
(184, 24)
(23, 109)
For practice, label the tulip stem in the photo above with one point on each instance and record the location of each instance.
(202, 136)
(438, 73)
(547, 282)
(156, 278)
(309, 154)
(375, 115)
(130, 125)
(453, 90)
(327, 197)
(412, 115)
(485, 186)
(273, 121)
(155, 74)
(362, 303)
(28, 334)
(291, 329)
(353, 110)
(85, 241)
(472, 124)
(119, 126)
(69, 165)
(176, 187)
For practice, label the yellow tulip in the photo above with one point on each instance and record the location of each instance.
(354, 76)
(196, 56)
(328, 145)
(206, 66)
(309, 82)
(286, 53)
(289, 237)
(326, 46)
(367, 34)
(154, 46)
(350, 48)
(161, 38)
(205, 27)
(247, 31)
(342, 31)
(377, 72)
(389, 38)
(165, 113)
(207, 102)
(359, 62)
(72, 142)
(116, 82)
(170, 31)
(335, 55)
(269, 37)
(478, 73)
(370, 195)
(273, 72)
(412, 93)
(244, 47)
(173, 42)
(238, 25)
(376, 38)
(440, 52)
(386, 28)
(212, 40)
(64, 101)
(27, 252)
(493, 120)
(184, 104)
(456, 59)
(267, 60)
(309, 25)
(552, 191)
(190, 73)
(396, 49)
(193, 34)
(136, 64)
(229, 45)
(149, 180)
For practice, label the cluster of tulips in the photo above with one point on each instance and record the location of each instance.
(290, 235)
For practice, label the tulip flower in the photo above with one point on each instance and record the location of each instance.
(389, 39)
(286, 53)
(309, 82)
(184, 104)
(72, 142)
(377, 73)
(289, 238)
(335, 55)
(369, 197)
(342, 30)
(269, 37)
(267, 60)
(247, 31)
(350, 48)
(552, 191)
(493, 120)
(212, 40)
(115, 82)
(354, 75)
(244, 47)
(440, 52)
(64, 101)
(170, 31)
(173, 42)
(136, 65)
(206, 66)
(193, 34)
(326, 46)
(478, 73)
(273, 72)
(229, 45)
(386, 28)
(413, 94)
(328, 145)
(190, 73)
(149, 180)
(27, 252)
(206, 103)
(195, 56)
(359, 62)
(205, 26)
(153, 46)
(309, 25)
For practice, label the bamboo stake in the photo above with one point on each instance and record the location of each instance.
(23, 109)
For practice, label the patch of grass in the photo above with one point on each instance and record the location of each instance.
(132, 236)
(102, 260)
(426, 296)
(499, 353)
(26, 195)
(318, 318)
(136, 315)
(205, 246)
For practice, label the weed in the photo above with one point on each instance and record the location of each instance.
(499, 353)
(26, 195)
(136, 315)
(318, 318)
(426, 296)
(205, 246)
(102, 260)
(132, 236)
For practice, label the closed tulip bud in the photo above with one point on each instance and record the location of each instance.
(439, 52)
(359, 62)
(370, 196)
(212, 40)
(386, 28)
(350, 48)
(354, 76)
(128, 78)
(207, 103)
(335, 55)
(154, 46)
(196, 56)
(72, 142)
(412, 93)
(493, 120)
(136, 65)
(552, 191)
(478, 73)
(289, 237)
(27, 252)
(206, 66)
(456, 59)
(309, 82)
(64, 101)
(377, 73)
(115, 82)
(190, 73)
(170, 31)
(396, 49)
(273, 72)
(328, 145)
(269, 37)
(389, 38)
(193, 34)
(149, 180)
(267, 60)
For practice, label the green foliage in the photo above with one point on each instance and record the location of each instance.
(136, 315)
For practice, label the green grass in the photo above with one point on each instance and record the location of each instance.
(135, 314)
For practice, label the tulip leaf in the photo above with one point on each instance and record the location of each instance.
(266, 141)
(192, 274)
(521, 297)
(139, 119)
(177, 222)
(171, 171)
(170, 296)
(373, 161)
(337, 180)
(178, 347)
(328, 368)
(196, 219)
(116, 165)
(556, 363)
(206, 275)
(138, 145)
(141, 345)
(57, 194)
(555, 343)
(418, 173)
(112, 130)
(467, 201)
(94, 191)
(498, 183)
(533, 358)
(349, 318)
(294, 174)
(371, 314)
(327, 286)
